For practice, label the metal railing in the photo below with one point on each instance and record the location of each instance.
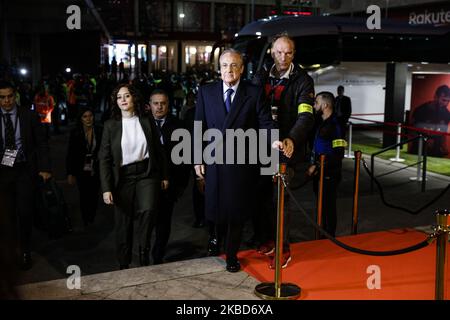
(421, 159)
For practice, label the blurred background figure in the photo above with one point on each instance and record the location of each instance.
(82, 162)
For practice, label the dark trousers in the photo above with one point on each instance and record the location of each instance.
(163, 227)
(88, 187)
(135, 210)
(329, 211)
(231, 235)
(198, 200)
(266, 213)
(263, 217)
(19, 190)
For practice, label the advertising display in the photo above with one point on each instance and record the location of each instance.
(430, 110)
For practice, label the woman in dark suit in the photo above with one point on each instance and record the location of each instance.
(133, 169)
(82, 162)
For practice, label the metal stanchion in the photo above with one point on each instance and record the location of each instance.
(418, 177)
(356, 192)
(424, 164)
(442, 230)
(350, 138)
(399, 138)
(320, 195)
(278, 290)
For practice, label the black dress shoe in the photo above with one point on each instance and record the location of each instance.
(26, 263)
(213, 247)
(233, 265)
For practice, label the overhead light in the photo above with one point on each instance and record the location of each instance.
(424, 62)
(258, 33)
(23, 71)
(68, 70)
(236, 35)
(192, 50)
(208, 49)
(182, 15)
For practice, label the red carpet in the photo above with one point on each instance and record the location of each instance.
(325, 271)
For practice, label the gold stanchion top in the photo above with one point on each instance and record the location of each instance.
(443, 220)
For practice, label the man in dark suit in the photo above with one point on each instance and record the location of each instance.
(25, 155)
(178, 174)
(343, 106)
(230, 104)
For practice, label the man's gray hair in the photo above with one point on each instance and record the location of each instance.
(232, 51)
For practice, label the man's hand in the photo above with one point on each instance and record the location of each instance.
(71, 180)
(287, 146)
(45, 175)
(165, 184)
(311, 170)
(200, 185)
(108, 198)
(200, 170)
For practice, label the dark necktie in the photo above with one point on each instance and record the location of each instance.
(229, 92)
(159, 124)
(10, 139)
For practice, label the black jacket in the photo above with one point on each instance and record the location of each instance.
(77, 150)
(34, 142)
(110, 153)
(178, 174)
(292, 123)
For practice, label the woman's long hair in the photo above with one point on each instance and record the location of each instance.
(137, 101)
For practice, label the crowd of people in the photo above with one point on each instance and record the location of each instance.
(126, 157)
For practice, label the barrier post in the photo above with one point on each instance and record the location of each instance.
(320, 195)
(350, 138)
(442, 228)
(399, 139)
(277, 290)
(424, 164)
(356, 192)
(420, 159)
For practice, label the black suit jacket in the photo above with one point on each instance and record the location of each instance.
(110, 154)
(76, 151)
(178, 174)
(34, 141)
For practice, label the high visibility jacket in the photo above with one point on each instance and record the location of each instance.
(44, 105)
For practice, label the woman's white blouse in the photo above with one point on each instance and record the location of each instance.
(134, 144)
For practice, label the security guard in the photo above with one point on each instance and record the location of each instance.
(289, 91)
(329, 140)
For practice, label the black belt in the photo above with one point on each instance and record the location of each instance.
(136, 167)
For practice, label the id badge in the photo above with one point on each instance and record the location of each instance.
(9, 157)
(88, 163)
